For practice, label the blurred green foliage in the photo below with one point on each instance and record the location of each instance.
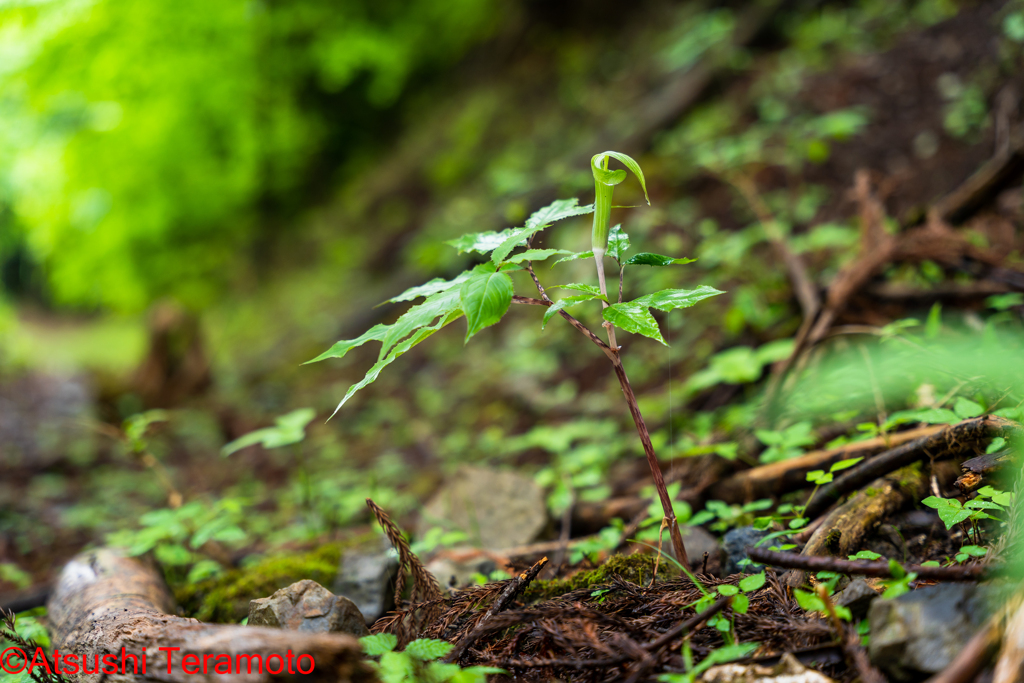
(150, 148)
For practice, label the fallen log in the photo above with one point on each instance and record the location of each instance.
(791, 475)
(949, 441)
(109, 605)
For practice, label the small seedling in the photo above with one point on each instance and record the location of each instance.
(484, 294)
(418, 662)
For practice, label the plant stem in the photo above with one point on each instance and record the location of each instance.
(652, 461)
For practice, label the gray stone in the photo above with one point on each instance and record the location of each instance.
(735, 543)
(367, 578)
(920, 632)
(308, 606)
(856, 597)
(496, 509)
(456, 569)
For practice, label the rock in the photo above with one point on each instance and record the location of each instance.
(697, 542)
(919, 633)
(496, 509)
(308, 606)
(456, 567)
(735, 543)
(367, 578)
(856, 597)
(788, 670)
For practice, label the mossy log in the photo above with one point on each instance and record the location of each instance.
(108, 604)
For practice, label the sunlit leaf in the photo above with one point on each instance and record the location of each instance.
(428, 649)
(433, 287)
(752, 582)
(535, 255)
(618, 243)
(634, 317)
(577, 287)
(671, 299)
(515, 238)
(556, 211)
(375, 333)
(575, 257)
(378, 643)
(480, 242)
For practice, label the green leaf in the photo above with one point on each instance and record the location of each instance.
(618, 243)
(740, 604)
(974, 550)
(436, 306)
(556, 211)
(433, 287)
(865, 555)
(204, 569)
(576, 287)
(724, 654)
(397, 667)
(634, 317)
(173, 554)
(575, 257)
(535, 255)
(288, 429)
(897, 571)
(844, 464)
(428, 649)
(563, 303)
(752, 582)
(480, 242)
(808, 601)
(393, 354)
(378, 643)
(515, 239)
(997, 444)
(727, 589)
(981, 505)
(649, 259)
(375, 333)
(626, 161)
(671, 299)
(966, 409)
(485, 299)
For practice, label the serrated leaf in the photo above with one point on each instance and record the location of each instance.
(397, 667)
(485, 299)
(618, 243)
(752, 582)
(378, 643)
(535, 255)
(375, 333)
(428, 649)
(626, 161)
(577, 287)
(436, 306)
(556, 211)
(575, 257)
(563, 303)
(393, 354)
(671, 299)
(634, 317)
(646, 258)
(426, 289)
(515, 238)
(480, 242)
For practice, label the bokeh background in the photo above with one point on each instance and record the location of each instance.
(196, 198)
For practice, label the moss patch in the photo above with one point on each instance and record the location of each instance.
(225, 598)
(638, 569)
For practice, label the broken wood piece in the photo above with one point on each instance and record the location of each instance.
(108, 604)
(977, 469)
(843, 529)
(791, 475)
(951, 440)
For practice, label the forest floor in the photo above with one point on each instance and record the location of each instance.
(852, 398)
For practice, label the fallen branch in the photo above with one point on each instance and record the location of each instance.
(107, 604)
(814, 563)
(952, 440)
(977, 469)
